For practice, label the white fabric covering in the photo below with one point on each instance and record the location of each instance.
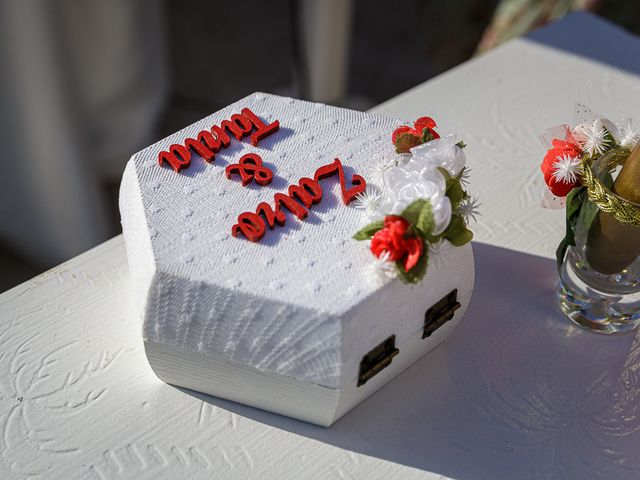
(301, 302)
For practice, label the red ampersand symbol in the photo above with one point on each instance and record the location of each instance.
(250, 168)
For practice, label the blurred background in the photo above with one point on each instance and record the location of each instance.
(87, 83)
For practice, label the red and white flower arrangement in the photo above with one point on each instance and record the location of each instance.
(568, 149)
(420, 203)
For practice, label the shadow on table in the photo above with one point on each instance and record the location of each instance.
(587, 35)
(515, 392)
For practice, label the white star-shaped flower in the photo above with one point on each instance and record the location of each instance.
(370, 200)
(628, 136)
(383, 166)
(465, 177)
(595, 138)
(469, 209)
(382, 268)
(566, 169)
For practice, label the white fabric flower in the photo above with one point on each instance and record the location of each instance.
(382, 269)
(370, 201)
(593, 137)
(628, 136)
(465, 178)
(566, 169)
(442, 152)
(417, 179)
(469, 209)
(383, 166)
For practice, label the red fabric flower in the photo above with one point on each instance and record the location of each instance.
(414, 252)
(428, 123)
(391, 239)
(418, 129)
(560, 149)
(398, 131)
(560, 188)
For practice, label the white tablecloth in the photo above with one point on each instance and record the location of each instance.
(516, 392)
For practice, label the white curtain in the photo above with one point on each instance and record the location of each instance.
(82, 86)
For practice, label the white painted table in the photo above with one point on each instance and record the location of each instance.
(515, 393)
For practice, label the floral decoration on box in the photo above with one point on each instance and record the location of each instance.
(421, 202)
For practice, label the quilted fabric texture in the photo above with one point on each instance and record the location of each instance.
(283, 304)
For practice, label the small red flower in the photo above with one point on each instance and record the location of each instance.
(391, 239)
(560, 188)
(417, 132)
(414, 252)
(560, 149)
(400, 130)
(428, 123)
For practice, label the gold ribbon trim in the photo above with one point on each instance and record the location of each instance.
(621, 209)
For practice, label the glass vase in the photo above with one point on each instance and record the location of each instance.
(603, 297)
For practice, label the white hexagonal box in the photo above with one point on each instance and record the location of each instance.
(296, 322)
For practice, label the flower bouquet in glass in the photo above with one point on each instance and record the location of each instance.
(593, 171)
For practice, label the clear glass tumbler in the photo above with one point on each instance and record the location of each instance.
(602, 302)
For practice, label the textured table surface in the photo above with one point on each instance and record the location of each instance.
(516, 392)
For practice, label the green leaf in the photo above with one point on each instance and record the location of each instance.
(457, 232)
(425, 222)
(427, 136)
(574, 203)
(417, 272)
(454, 189)
(369, 231)
(412, 212)
(561, 251)
(406, 141)
(586, 216)
(461, 144)
(447, 176)
(455, 192)
(610, 142)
